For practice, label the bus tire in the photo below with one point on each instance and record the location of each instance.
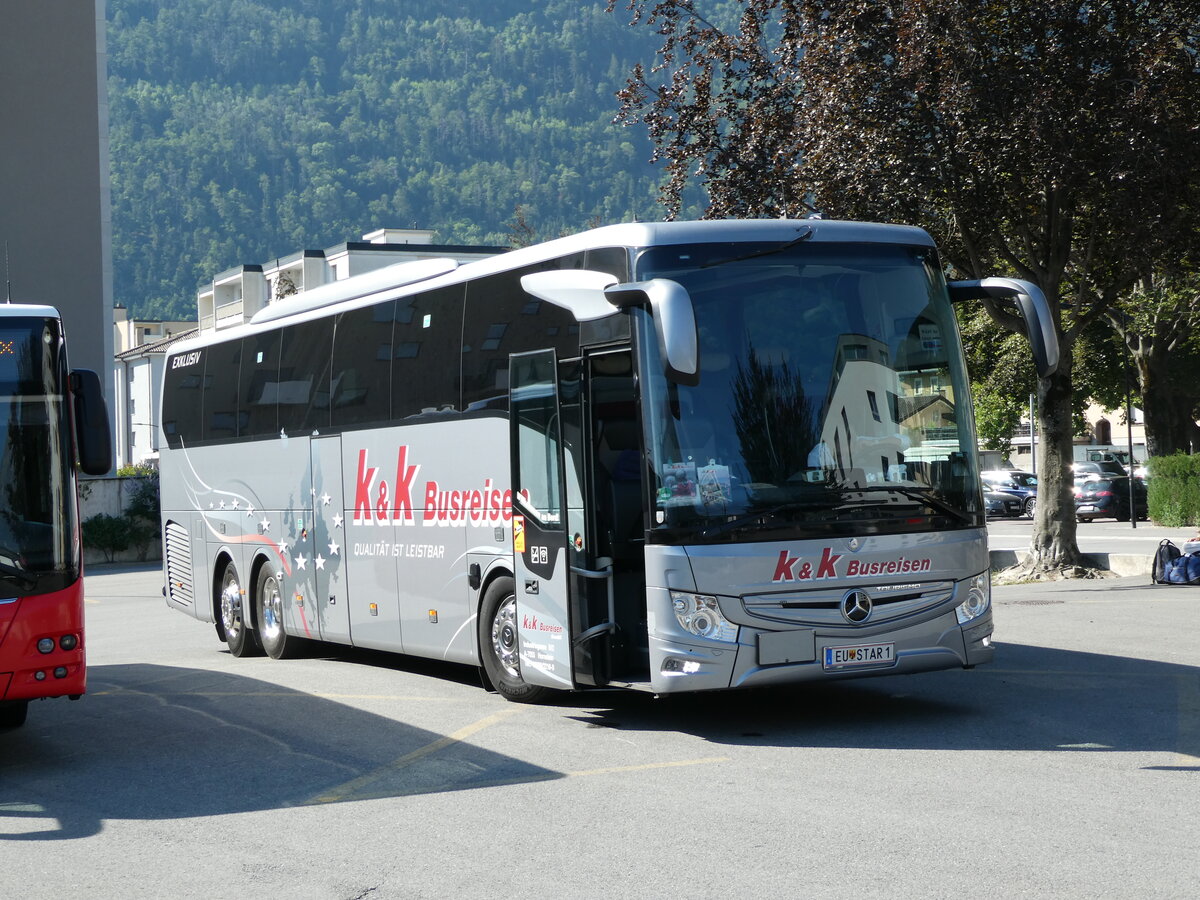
(239, 636)
(268, 612)
(13, 713)
(498, 644)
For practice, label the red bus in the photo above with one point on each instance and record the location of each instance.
(52, 421)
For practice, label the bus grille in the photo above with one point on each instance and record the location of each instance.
(179, 565)
(822, 607)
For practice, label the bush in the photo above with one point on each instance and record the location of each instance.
(1173, 490)
(108, 534)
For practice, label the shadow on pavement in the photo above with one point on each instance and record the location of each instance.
(193, 742)
(1031, 699)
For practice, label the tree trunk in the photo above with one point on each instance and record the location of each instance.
(1054, 544)
(1164, 433)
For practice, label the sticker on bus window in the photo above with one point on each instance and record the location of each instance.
(518, 534)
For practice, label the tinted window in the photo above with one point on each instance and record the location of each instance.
(302, 391)
(182, 398)
(260, 384)
(362, 365)
(222, 365)
(502, 319)
(425, 353)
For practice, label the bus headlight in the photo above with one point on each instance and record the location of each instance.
(700, 615)
(979, 598)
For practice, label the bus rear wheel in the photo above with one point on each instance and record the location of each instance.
(13, 713)
(238, 635)
(498, 644)
(269, 599)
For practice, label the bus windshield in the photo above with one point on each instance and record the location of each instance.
(37, 511)
(832, 397)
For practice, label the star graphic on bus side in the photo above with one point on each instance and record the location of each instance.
(301, 561)
(325, 498)
(337, 521)
(265, 524)
(320, 561)
(250, 511)
(333, 548)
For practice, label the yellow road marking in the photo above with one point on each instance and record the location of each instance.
(342, 792)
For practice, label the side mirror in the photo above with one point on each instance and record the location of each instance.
(1031, 302)
(674, 323)
(579, 291)
(93, 438)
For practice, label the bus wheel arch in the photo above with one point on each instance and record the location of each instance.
(497, 636)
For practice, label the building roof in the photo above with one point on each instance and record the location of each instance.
(159, 346)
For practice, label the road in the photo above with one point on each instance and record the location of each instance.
(1069, 768)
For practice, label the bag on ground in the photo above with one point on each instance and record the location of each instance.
(1184, 569)
(1164, 558)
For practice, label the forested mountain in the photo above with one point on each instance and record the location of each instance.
(246, 129)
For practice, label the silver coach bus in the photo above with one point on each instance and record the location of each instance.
(671, 457)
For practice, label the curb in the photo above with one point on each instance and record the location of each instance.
(1117, 563)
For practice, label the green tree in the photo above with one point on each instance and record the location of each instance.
(1052, 140)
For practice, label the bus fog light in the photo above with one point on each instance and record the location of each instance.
(39, 675)
(60, 672)
(979, 598)
(700, 615)
(673, 665)
(45, 645)
(68, 642)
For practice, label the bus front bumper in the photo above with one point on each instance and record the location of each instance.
(762, 658)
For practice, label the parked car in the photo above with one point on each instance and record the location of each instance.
(1107, 497)
(1022, 485)
(1103, 469)
(998, 503)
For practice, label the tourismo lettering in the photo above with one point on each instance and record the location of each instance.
(379, 501)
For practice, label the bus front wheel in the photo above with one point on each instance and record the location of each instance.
(238, 636)
(498, 646)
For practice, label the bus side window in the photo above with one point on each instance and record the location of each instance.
(425, 351)
(303, 392)
(502, 319)
(361, 387)
(182, 403)
(221, 376)
(260, 385)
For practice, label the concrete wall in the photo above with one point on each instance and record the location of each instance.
(110, 496)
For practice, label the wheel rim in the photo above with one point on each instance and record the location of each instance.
(504, 637)
(231, 605)
(272, 610)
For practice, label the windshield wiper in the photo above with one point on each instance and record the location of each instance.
(723, 527)
(22, 577)
(806, 233)
(922, 495)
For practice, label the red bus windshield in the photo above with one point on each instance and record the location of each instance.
(38, 550)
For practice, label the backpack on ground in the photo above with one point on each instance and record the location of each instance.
(1164, 559)
(1173, 567)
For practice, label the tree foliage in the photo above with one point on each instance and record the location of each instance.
(245, 129)
(1053, 140)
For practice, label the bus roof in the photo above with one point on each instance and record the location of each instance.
(426, 274)
(13, 310)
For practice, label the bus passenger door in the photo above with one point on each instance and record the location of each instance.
(547, 518)
(329, 567)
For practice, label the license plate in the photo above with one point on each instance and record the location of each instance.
(859, 655)
(1086, 508)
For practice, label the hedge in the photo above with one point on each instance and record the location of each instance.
(1174, 490)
